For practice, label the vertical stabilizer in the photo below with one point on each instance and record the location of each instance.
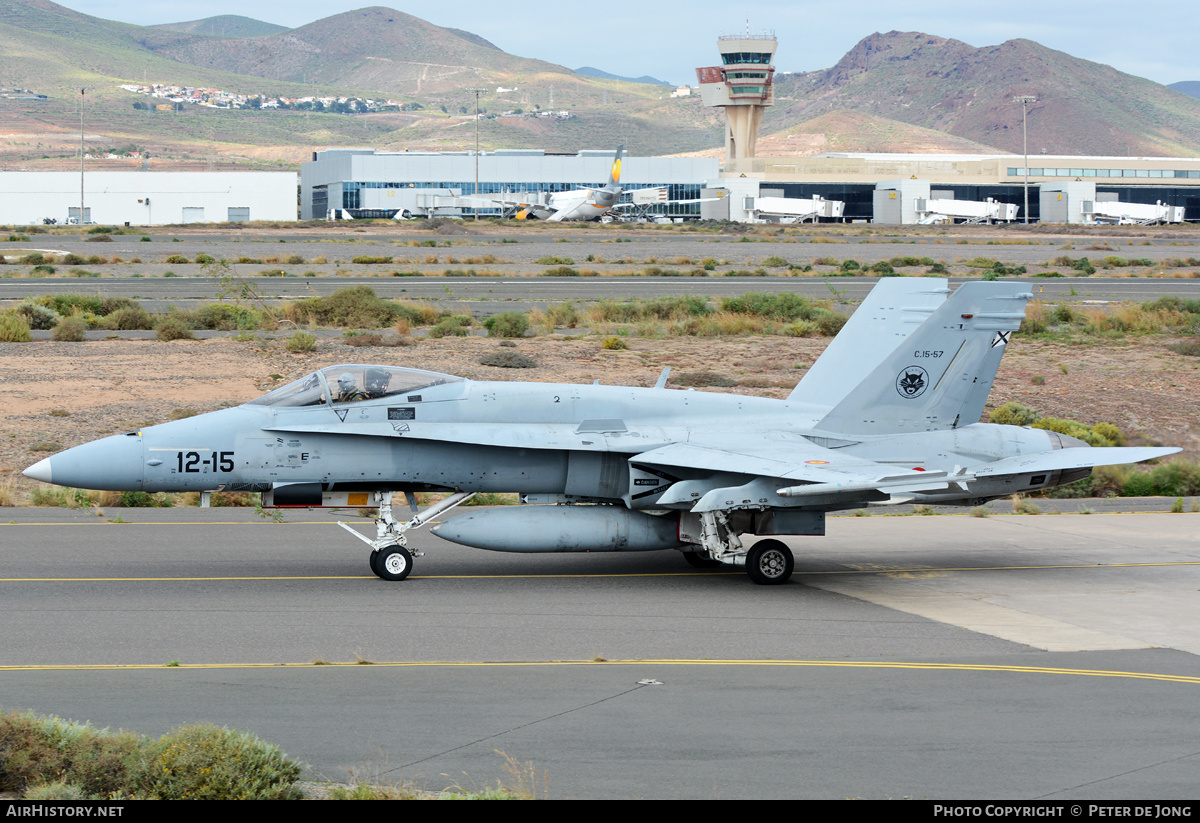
(614, 176)
(894, 309)
(940, 376)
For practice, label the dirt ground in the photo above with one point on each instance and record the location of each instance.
(62, 394)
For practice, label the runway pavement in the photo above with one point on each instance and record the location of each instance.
(1050, 656)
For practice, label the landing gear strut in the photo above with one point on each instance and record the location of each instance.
(390, 559)
(768, 562)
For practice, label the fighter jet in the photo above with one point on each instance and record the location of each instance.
(889, 413)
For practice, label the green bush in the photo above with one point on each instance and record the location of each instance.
(108, 305)
(356, 307)
(785, 307)
(555, 261)
(204, 762)
(228, 317)
(69, 330)
(365, 259)
(456, 325)
(176, 259)
(204, 259)
(507, 324)
(40, 750)
(67, 303)
(128, 319)
(1013, 414)
(14, 329)
(1083, 266)
(849, 265)
(37, 316)
(301, 341)
(172, 328)
(775, 262)
(614, 343)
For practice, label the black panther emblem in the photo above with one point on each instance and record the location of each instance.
(912, 382)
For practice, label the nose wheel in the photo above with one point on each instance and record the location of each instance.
(391, 563)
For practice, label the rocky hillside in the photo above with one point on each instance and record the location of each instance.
(952, 87)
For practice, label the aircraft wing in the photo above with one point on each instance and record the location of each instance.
(789, 473)
(776, 466)
(520, 198)
(1076, 458)
(566, 204)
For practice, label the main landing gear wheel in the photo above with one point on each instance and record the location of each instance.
(392, 563)
(769, 563)
(701, 560)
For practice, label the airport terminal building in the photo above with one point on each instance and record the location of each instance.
(363, 183)
(376, 184)
(146, 198)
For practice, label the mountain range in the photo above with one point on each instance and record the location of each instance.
(899, 91)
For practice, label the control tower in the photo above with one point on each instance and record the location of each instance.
(742, 86)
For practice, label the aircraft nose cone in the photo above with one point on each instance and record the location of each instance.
(39, 471)
(114, 463)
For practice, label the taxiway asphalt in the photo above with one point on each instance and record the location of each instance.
(1051, 656)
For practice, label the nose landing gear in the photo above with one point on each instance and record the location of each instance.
(390, 558)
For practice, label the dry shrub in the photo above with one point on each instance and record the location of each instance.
(756, 382)
(419, 312)
(703, 378)
(8, 492)
(382, 340)
(69, 330)
(508, 360)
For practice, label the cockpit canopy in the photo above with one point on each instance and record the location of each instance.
(351, 384)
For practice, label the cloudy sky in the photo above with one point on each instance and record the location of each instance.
(669, 39)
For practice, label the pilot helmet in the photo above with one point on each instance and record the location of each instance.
(345, 381)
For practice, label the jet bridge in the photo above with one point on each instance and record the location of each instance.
(931, 211)
(1130, 214)
(795, 210)
(406, 203)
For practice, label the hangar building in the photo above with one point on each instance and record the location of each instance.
(853, 179)
(147, 198)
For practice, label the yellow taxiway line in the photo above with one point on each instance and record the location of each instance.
(835, 664)
(713, 573)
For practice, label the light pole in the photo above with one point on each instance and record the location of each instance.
(477, 93)
(82, 93)
(1025, 100)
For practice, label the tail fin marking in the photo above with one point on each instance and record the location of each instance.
(940, 376)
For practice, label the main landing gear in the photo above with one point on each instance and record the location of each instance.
(390, 557)
(767, 562)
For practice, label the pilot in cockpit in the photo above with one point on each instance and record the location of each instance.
(348, 391)
(377, 382)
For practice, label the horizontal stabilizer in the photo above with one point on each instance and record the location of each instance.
(1076, 458)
